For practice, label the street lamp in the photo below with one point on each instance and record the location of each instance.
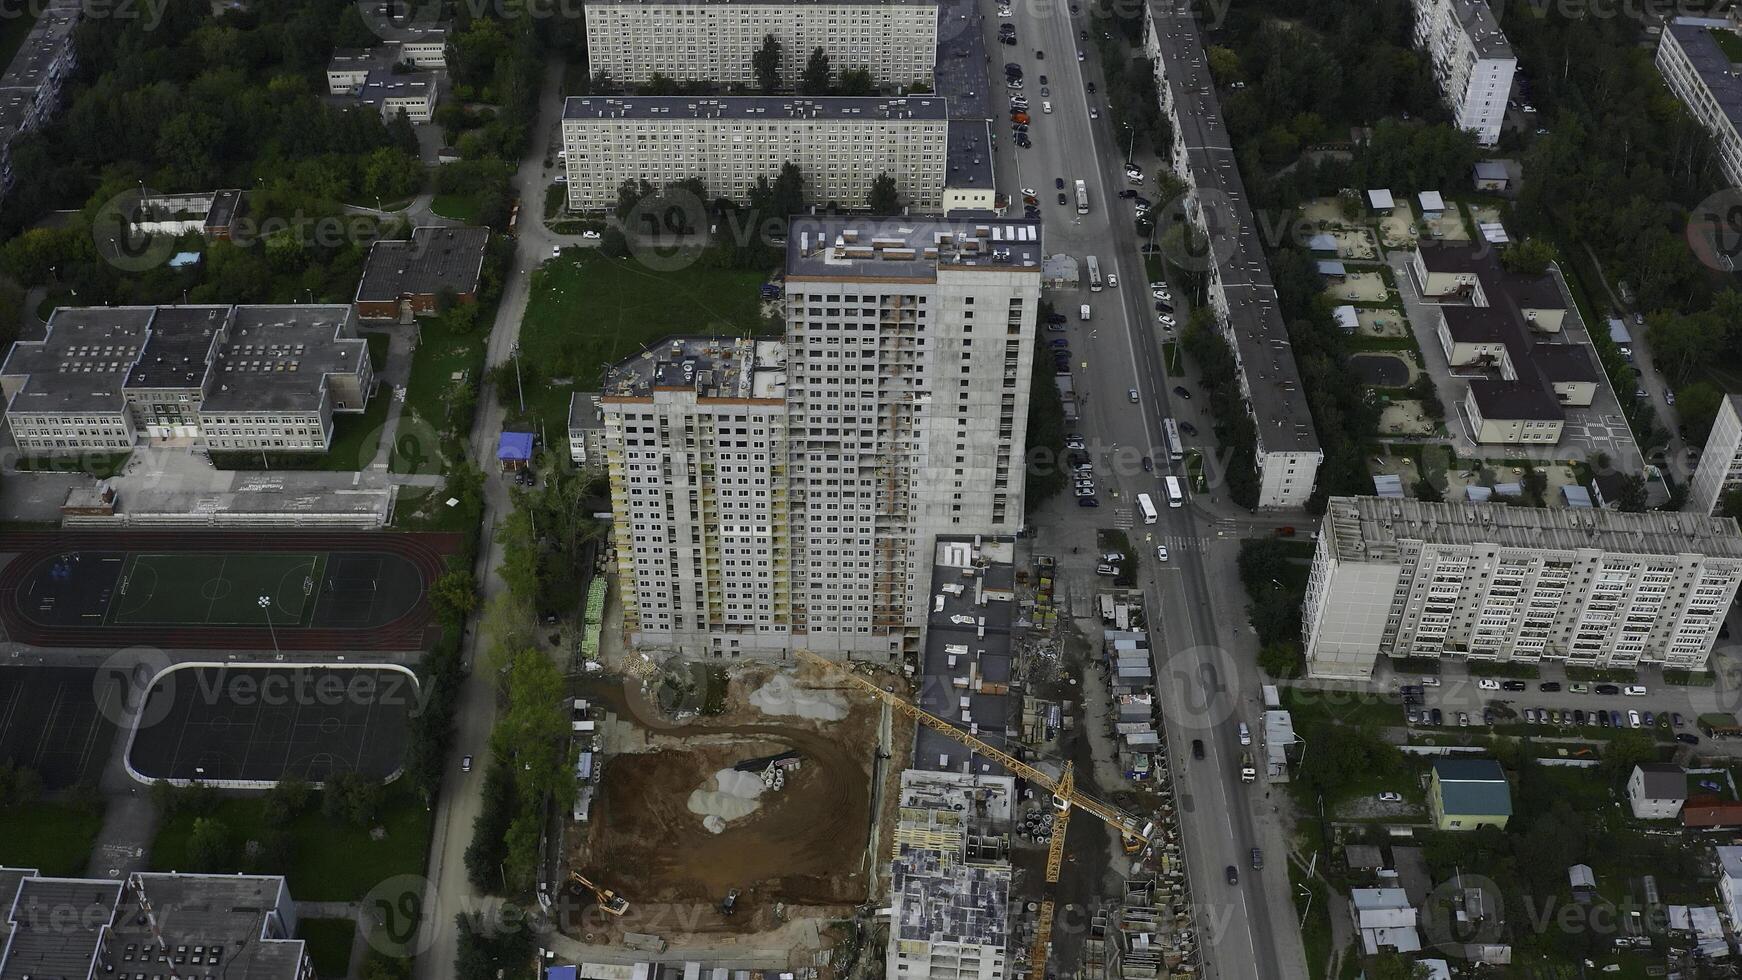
(266, 604)
(519, 391)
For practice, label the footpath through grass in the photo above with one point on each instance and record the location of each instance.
(54, 838)
(589, 310)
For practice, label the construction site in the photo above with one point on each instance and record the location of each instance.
(756, 816)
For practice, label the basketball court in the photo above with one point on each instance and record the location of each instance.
(239, 726)
(58, 721)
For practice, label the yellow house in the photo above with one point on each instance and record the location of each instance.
(1464, 794)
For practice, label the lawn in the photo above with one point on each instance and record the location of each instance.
(331, 861)
(460, 207)
(447, 361)
(329, 944)
(589, 310)
(54, 838)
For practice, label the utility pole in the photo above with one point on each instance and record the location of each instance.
(266, 604)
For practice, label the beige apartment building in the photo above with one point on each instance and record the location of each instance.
(1472, 62)
(715, 42)
(787, 493)
(1699, 73)
(1720, 466)
(1589, 587)
(840, 143)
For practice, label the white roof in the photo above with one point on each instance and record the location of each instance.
(1346, 316)
(1431, 201)
(1730, 860)
(1380, 200)
(1382, 898)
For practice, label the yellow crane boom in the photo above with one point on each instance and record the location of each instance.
(1063, 789)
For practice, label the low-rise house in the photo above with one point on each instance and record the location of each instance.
(1711, 812)
(394, 78)
(1385, 920)
(1464, 794)
(1491, 175)
(1656, 791)
(586, 429)
(212, 213)
(407, 278)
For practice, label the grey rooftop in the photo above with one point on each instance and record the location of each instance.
(909, 247)
(712, 367)
(435, 257)
(1362, 528)
(843, 108)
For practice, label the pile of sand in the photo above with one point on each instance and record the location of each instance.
(780, 696)
(736, 795)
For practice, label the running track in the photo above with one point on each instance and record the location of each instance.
(415, 630)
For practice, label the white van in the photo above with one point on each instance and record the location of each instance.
(1245, 734)
(1083, 312)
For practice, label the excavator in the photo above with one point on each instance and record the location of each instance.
(608, 900)
(1065, 798)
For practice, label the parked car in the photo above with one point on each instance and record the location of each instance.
(1615, 719)
(1650, 719)
(1632, 718)
(1602, 718)
(1675, 719)
(1512, 685)
(1188, 428)
(1390, 797)
(1257, 859)
(1578, 717)
(1437, 716)
(1579, 688)
(1487, 684)
(1464, 719)
(1487, 716)
(1608, 689)
(1687, 739)
(1635, 690)
(1530, 716)
(1088, 502)
(1181, 391)
(466, 764)
(1197, 748)
(1548, 687)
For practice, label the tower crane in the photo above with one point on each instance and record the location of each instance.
(1065, 797)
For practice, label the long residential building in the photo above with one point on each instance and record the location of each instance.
(1240, 289)
(1589, 587)
(30, 88)
(192, 926)
(840, 143)
(774, 494)
(1705, 79)
(1472, 62)
(1720, 466)
(222, 377)
(715, 42)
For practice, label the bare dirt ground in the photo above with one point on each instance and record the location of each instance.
(804, 848)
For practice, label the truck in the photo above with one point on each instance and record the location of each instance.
(1084, 313)
(1248, 773)
(1082, 197)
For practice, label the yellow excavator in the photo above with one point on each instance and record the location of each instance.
(609, 900)
(1064, 792)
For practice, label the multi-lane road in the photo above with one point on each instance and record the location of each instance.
(1249, 929)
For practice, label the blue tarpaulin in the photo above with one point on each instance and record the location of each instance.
(514, 447)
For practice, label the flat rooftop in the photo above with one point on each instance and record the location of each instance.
(1365, 528)
(234, 919)
(1709, 61)
(83, 362)
(435, 257)
(940, 899)
(180, 346)
(584, 411)
(959, 74)
(54, 924)
(762, 3)
(968, 645)
(908, 248)
(276, 358)
(712, 367)
(1278, 406)
(385, 83)
(1481, 27)
(42, 46)
(844, 108)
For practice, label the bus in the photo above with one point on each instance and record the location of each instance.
(1094, 275)
(1146, 509)
(1082, 197)
(1176, 494)
(1176, 450)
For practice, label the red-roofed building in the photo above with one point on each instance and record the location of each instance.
(1711, 811)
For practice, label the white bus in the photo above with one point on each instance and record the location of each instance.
(1146, 508)
(1176, 450)
(1176, 494)
(1082, 197)
(1095, 282)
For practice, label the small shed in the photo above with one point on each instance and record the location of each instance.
(514, 451)
(1583, 881)
(1432, 204)
(1322, 242)
(1576, 496)
(1477, 494)
(1388, 485)
(1332, 269)
(1618, 331)
(1380, 199)
(1347, 319)
(1493, 232)
(1490, 175)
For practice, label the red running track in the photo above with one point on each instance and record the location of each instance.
(413, 630)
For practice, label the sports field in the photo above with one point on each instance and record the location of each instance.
(194, 589)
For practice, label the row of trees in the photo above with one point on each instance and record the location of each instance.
(1219, 376)
(818, 76)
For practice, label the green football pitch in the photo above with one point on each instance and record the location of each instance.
(193, 589)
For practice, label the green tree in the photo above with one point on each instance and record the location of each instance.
(1631, 497)
(883, 198)
(659, 83)
(1424, 489)
(766, 63)
(210, 846)
(454, 595)
(1698, 404)
(1224, 64)
(817, 74)
(1527, 257)
(1391, 966)
(352, 797)
(1630, 747)
(855, 81)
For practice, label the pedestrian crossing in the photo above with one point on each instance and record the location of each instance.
(1123, 519)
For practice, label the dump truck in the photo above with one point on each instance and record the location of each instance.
(1248, 773)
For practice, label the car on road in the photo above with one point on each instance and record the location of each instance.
(1233, 875)
(1686, 739)
(1188, 428)
(1257, 858)
(1082, 35)
(1632, 718)
(1112, 281)
(1438, 717)
(1128, 192)
(1091, 88)
(556, 251)
(1464, 719)
(466, 764)
(1094, 113)
(1668, 397)
(1148, 465)
(1608, 689)
(1045, 107)
(1062, 199)
(1079, 54)
(1487, 684)
(1088, 502)
(1131, 394)
(1043, 79)
(1161, 552)
(1635, 690)
(1390, 797)
(1039, 55)
(1197, 748)
(1181, 391)
(1548, 687)
(591, 236)
(1512, 685)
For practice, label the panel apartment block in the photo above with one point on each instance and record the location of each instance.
(1703, 77)
(1471, 60)
(715, 42)
(1240, 289)
(840, 143)
(225, 377)
(789, 496)
(1720, 466)
(1590, 587)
